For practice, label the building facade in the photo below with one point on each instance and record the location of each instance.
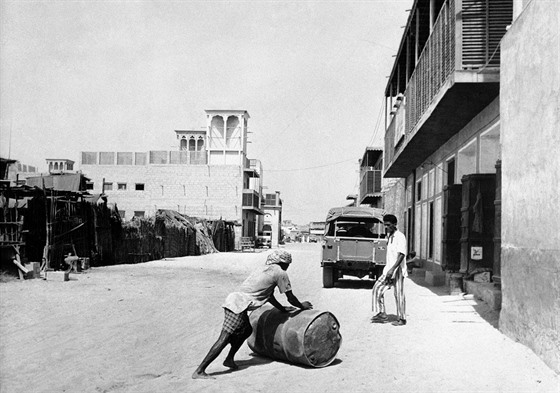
(377, 191)
(207, 176)
(272, 217)
(371, 178)
(442, 124)
(13, 172)
(60, 165)
(473, 113)
(530, 228)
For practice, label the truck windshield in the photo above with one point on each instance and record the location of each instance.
(355, 227)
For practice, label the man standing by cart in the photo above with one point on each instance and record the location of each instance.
(393, 274)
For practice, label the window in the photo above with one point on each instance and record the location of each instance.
(489, 149)
(409, 194)
(424, 251)
(89, 185)
(139, 187)
(409, 231)
(451, 171)
(439, 178)
(466, 160)
(419, 190)
(139, 213)
(417, 230)
(431, 230)
(437, 230)
(431, 183)
(270, 200)
(107, 186)
(121, 186)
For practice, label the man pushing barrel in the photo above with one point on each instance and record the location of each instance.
(255, 291)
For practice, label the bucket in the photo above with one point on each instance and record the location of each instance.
(307, 337)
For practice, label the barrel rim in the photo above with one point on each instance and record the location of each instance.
(329, 361)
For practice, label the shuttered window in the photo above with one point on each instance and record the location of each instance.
(484, 25)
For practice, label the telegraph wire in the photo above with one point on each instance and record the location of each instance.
(311, 167)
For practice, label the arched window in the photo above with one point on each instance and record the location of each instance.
(183, 144)
(56, 166)
(232, 131)
(192, 144)
(200, 144)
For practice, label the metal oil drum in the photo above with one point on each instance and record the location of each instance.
(307, 337)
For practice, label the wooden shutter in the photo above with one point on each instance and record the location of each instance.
(484, 25)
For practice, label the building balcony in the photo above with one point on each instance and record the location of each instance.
(251, 201)
(442, 77)
(252, 167)
(370, 185)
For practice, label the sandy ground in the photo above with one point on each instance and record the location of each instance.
(145, 328)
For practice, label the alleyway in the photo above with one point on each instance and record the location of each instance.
(144, 328)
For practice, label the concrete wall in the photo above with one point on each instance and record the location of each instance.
(394, 200)
(530, 118)
(204, 191)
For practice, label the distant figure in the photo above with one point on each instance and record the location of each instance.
(255, 291)
(393, 274)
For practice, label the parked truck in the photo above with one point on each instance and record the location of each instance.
(354, 244)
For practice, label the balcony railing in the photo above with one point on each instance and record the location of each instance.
(463, 47)
(153, 157)
(252, 167)
(250, 199)
(370, 182)
(436, 63)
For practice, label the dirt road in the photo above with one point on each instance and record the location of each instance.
(145, 328)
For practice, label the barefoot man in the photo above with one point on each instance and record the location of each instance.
(255, 291)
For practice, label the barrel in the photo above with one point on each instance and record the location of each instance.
(307, 337)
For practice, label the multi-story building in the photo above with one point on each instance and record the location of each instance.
(60, 165)
(472, 120)
(443, 130)
(371, 168)
(377, 191)
(272, 218)
(208, 176)
(13, 172)
(316, 231)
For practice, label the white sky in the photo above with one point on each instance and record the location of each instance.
(123, 75)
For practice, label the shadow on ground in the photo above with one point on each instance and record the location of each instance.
(481, 308)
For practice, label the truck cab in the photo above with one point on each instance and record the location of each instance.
(354, 244)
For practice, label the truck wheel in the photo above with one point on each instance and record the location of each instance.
(378, 272)
(328, 277)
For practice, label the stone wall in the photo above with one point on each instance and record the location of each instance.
(530, 118)
(206, 191)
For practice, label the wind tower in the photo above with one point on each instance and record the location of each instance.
(227, 137)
